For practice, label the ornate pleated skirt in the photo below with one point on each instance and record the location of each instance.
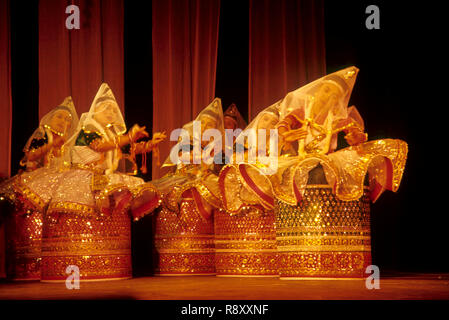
(99, 246)
(245, 243)
(23, 245)
(323, 237)
(184, 242)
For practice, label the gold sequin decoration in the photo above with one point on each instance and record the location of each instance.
(323, 236)
(245, 243)
(27, 197)
(23, 245)
(99, 246)
(184, 243)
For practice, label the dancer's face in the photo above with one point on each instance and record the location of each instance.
(106, 114)
(207, 123)
(61, 121)
(327, 96)
(267, 121)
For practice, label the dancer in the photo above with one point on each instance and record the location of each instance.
(45, 157)
(310, 119)
(236, 194)
(184, 227)
(94, 184)
(245, 224)
(318, 192)
(87, 222)
(30, 190)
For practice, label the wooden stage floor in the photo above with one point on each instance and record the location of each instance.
(397, 287)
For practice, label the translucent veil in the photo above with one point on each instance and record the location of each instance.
(212, 113)
(104, 98)
(266, 119)
(44, 124)
(303, 97)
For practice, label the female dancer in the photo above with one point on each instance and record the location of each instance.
(86, 222)
(30, 191)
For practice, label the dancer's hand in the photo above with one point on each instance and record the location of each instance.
(295, 135)
(158, 137)
(137, 133)
(287, 148)
(355, 137)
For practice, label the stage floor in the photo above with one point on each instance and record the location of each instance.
(399, 286)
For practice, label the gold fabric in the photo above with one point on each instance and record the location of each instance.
(236, 194)
(245, 243)
(184, 243)
(99, 246)
(323, 236)
(345, 170)
(23, 244)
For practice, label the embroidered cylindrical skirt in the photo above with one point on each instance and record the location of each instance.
(98, 246)
(184, 242)
(23, 245)
(322, 236)
(245, 243)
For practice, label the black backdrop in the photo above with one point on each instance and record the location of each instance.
(399, 92)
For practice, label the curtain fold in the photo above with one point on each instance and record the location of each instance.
(185, 41)
(54, 55)
(75, 62)
(6, 109)
(286, 49)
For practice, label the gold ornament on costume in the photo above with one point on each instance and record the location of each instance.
(323, 237)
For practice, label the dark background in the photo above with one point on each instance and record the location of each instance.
(400, 93)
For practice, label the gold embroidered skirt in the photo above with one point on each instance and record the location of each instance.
(322, 236)
(23, 245)
(184, 243)
(100, 246)
(245, 243)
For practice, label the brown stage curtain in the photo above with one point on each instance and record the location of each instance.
(185, 41)
(75, 62)
(6, 109)
(286, 49)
